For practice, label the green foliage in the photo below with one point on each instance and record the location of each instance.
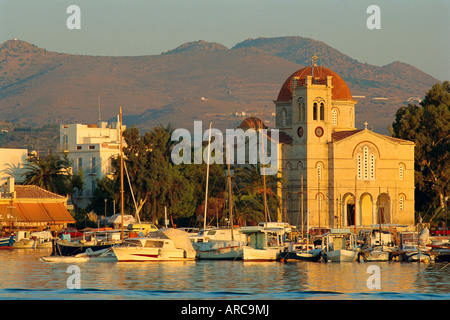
(428, 125)
(49, 173)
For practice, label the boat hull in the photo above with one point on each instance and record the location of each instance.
(6, 243)
(219, 250)
(375, 256)
(142, 254)
(266, 254)
(417, 256)
(304, 256)
(72, 249)
(340, 256)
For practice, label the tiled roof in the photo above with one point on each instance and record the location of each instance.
(252, 122)
(340, 135)
(34, 192)
(340, 90)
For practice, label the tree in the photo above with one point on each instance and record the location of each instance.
(428, 125)
(50, 173)
(250, 199)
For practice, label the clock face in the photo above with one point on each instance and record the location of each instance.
(319, 131)
(300, 132)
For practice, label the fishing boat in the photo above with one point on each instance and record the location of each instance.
(166, 244)
(415, 247)
(302, 252)
(219, 244)
(339, 245)
(377, 245)
(6, 243)
(263, 243)
(92, 241)
(23, 240)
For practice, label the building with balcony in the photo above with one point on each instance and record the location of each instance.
(90, 148)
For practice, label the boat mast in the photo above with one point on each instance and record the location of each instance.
(264, 178)
(301, 204)
(121, 173)
(207, 181)
(230, 196)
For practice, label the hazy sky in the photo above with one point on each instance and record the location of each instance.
(412, 31)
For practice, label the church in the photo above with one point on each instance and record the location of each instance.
(335, 174)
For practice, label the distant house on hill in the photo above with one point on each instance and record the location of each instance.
(31, 207)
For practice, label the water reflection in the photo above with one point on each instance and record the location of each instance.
(22, 269)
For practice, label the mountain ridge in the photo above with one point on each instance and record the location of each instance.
(199, 80)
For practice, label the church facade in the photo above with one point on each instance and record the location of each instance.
(336, 174)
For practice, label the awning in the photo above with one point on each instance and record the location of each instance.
(58, 212)
(35, 212)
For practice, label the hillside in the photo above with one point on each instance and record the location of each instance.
(196, 81)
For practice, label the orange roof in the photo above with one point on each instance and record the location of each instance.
(252, 122)
(35, 212)
(340, 90)
(34, 192)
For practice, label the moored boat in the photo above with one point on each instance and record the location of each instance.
(166, 244)
(264, 244)
(302, 252)
(6, 243)
(339, 245)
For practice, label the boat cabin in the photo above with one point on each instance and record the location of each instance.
(339, 239)
(259, 237)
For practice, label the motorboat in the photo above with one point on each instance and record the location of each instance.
(6, 243)
(377, 245)
(219, 244)
(263, 243)
(339, 245)
(167, 244)
(302, 252)
(104, 240)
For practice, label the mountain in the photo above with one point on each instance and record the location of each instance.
(195, 81)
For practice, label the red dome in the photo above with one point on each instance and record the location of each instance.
(340, 91)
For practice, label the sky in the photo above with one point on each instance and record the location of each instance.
(416, 32)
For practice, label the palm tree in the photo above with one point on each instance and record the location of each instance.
(250, 198)
(50, 173)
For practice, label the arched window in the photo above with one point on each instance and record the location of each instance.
(319, 201)
(401, 172)
(319, 171)
(401, 203)
(365, 165)
(315, 111)
(334, 117)
(283, 117)
(322, 111)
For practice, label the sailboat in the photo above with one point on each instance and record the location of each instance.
(81, 251)
(303, 251)
(264, 243)
(219, 243)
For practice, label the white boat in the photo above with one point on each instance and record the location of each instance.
(263, 244)
(375, 254)
(219, 244)
(64, 259)
(166, 244)
(339, 245)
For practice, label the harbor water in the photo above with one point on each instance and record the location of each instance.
(24, 276)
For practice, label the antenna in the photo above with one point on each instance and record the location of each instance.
(99, 111)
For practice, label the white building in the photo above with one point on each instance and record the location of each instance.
(90, 148)
(12, 164)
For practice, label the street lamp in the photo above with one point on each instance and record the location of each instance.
(106, 201)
